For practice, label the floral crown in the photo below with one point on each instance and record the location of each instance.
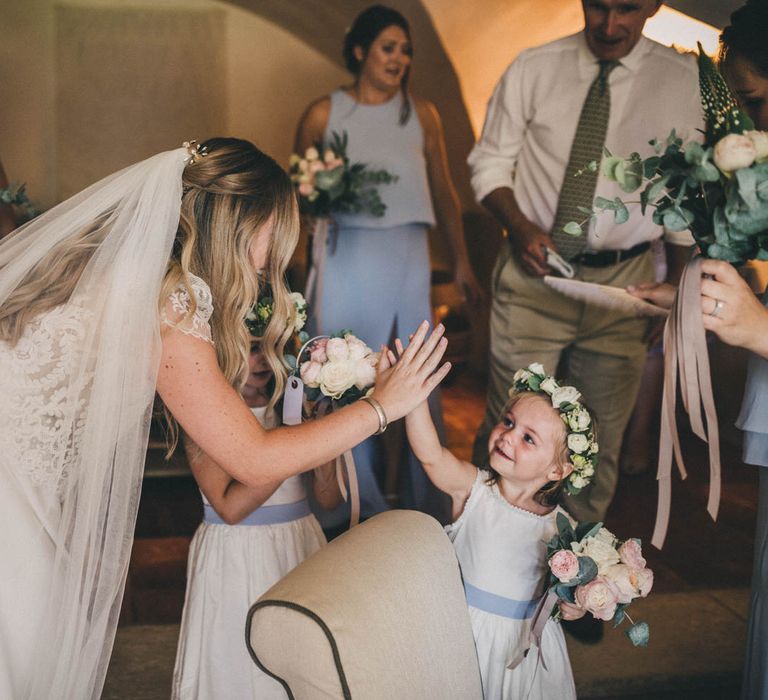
(582, 448)
(258, 317)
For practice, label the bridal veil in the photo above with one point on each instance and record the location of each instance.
(76, 390)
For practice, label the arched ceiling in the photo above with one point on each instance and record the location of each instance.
(322, 25)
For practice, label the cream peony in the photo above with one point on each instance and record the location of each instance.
(598, 597)
(644, 581)
(365, 374)
(759, 140)
(734, 151)
(625, 581)
(329, 156)
(577, 442)
(310, 374)
(336, 377)
(311, 153)
(337, 349)
(356, 347)
(565, 394)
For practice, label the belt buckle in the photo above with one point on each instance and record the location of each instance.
(618, 256)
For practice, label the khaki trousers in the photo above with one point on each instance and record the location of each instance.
(600, 352)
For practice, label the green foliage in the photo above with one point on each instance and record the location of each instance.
(349, 188)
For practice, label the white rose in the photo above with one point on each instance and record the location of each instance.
(578, 481)
(579, 419)
(337, 377)
(522, 375)
(734, 151)
(577, 442)
(365, 374)
(588, 470)
(356, 347)
(598, 548)
(759, 140)
(565, 394)
(300, 304)
(311, 153)
(549, 385)
(536, 368)
(337, 349)
(329, 156)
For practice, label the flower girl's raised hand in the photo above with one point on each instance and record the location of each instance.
(403, 384)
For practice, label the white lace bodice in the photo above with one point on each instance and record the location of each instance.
(177, 307)
(41, 428)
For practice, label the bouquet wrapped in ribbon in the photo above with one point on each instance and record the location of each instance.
(719, 190)
(331, 371)
(590, 567)
(328, 183)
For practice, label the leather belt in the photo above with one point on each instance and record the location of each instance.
(606, 258)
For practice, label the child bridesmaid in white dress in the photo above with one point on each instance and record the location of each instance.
(248, 540)
(503, 517)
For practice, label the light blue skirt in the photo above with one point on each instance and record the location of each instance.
(377, 284)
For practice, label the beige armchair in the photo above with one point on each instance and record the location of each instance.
(377, 614)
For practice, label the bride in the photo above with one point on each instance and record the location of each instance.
(138, 283)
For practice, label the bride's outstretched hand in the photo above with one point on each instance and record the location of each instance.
(403, 383)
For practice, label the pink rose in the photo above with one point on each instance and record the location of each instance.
(337, 350)
(316, 166)
(365, 375)
(335, 163)
(564, 564)
(631, 554)
(310, 374)
(598, 597)
(625, 581)
(317, 352)
(644, 581)
(306, 189)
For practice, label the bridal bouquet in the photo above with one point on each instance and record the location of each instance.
(590, 567)
(328, 183)
(341, 368)
(718, 189)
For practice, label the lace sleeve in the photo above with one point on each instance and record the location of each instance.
(177, 307)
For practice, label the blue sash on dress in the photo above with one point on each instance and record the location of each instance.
(266, 515)
(499, 605)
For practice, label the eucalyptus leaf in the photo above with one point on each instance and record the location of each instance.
(603, 203)
(587, 571)
(655, 190)
(639, 634)
(677, 219)
(572, 229)
(621, 214)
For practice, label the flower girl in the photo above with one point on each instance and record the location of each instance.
(504, 514)
(248, 540)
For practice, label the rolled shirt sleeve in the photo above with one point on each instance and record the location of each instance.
(492, 160)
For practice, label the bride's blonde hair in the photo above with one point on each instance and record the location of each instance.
(230, 196)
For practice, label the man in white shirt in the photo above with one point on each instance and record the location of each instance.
(519, 171)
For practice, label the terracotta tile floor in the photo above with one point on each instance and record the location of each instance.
(698, 554)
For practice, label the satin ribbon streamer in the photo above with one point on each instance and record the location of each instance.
(538, 622)
(685, 352)
(346, 462)
(323, 235)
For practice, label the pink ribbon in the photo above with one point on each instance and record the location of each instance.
(346, 462)
(686, 355)
(324, 227)
(538, 622)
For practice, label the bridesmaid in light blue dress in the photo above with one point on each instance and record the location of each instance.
(376, 278)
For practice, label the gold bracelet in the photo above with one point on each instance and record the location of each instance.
(376, 406)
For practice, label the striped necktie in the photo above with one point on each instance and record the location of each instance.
(579, 190)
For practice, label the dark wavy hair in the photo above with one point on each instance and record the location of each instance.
(747, 35)
(364, 30)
